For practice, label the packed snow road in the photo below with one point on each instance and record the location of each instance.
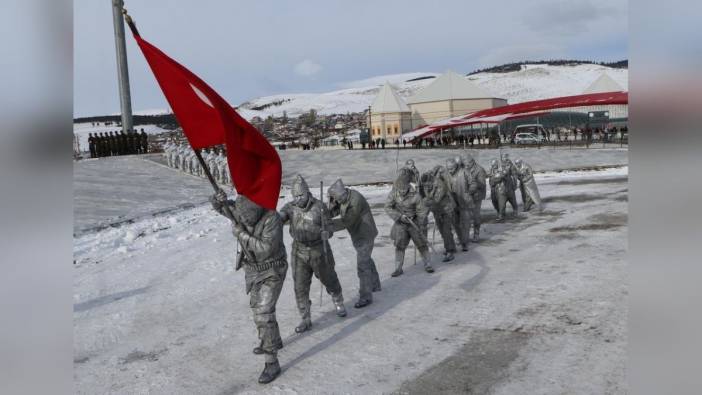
(538, 306)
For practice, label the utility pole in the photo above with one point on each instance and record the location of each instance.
(369, 127)
(125, 99)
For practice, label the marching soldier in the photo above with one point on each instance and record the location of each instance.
(311, 253)
(263, 257)
(438, 200)
(356, 217)
(459, 186)
(512, 181)
(499, 185)
(405, 207)
(527, 186)
(477, 190)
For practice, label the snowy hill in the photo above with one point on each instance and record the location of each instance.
(530, 83)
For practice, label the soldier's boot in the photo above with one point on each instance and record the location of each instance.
(464, 247)
(399, 260)
(258, 350)
(339, 305)
(427, 261)
(306, 322)
(476, 233)
(270, 371)
(448, 257)
(376, 279)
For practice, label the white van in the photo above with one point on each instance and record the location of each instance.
(536, 129)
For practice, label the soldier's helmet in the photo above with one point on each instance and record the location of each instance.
(518, 162)
(409, 163)
(493, 163)
(248, 211)
(459, 161)
(403, 181)
(468, 159)
(299, 186)
(337, 189)
(451, 164)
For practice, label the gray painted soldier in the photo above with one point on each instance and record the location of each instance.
(263, 257)
(405, 206)
(512, 181)
(500, 183)
(477, 190)
(438, 200)
(459, 186)
(527, 186)
(356, 217)
(311, 253)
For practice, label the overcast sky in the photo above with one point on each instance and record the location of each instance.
(257, 48)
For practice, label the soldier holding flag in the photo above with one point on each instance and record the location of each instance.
(208, 120)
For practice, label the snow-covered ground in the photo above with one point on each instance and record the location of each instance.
(538, 306)
(531, 83)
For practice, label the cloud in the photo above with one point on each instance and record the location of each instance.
(567, 17)
(307, 68)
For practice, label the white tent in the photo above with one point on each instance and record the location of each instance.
(449, 86)
(603, 83)
(388, 101)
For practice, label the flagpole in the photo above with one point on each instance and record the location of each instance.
(125, 99)
(225, 208)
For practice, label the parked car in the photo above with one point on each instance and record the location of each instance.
(526, 138)
(535, 128)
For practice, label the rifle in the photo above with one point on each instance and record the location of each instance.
(324, 242)
(419, 231)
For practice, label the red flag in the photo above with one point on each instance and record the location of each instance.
(207, 120)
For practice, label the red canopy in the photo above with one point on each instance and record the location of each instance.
(520, 110)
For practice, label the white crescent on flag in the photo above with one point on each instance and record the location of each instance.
(201, 95)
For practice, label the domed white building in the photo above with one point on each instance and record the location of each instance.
(390, 115)
(448, 96)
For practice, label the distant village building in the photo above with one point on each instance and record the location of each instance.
(390, 115)
(605, 83)
(449, 95)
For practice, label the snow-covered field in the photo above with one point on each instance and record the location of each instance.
(531, 83)
(538, 306)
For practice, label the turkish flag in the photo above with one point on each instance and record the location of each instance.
(207, 120)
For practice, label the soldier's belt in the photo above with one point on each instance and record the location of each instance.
(271, 263)
(309, 244)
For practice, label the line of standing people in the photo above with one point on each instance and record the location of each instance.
(181, 156)
(118, 143)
